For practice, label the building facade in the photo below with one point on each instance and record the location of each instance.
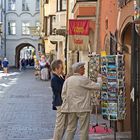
(125, 22)
(53, 24)
(17, 17)
(116, 19)
(108, 23)
(83, 10)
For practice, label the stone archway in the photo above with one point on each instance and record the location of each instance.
(126, 39)
(18, 49)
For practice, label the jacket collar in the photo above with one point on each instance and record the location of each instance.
(77, 74)
(55, 74)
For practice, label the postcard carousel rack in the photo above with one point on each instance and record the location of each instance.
(113, 89)
(112, 94)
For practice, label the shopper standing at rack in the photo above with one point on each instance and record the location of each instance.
(76, 96)
(57, 81)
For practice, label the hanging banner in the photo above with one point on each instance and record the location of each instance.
(78, 35)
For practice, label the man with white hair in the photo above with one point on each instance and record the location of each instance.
(76, 96)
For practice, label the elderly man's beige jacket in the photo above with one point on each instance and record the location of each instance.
(76, 94)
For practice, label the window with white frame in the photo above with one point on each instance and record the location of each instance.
(61, 5)
(37, 4)
(11, 5)
(58, 5)
(25, 28)
(11, 27)
(25, 5)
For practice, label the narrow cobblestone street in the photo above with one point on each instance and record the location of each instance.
(25, 106)
(26, 110)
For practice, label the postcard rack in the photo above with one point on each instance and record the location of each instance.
(113, 88)
(93, 71)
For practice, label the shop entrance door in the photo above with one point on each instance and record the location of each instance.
(135, 96)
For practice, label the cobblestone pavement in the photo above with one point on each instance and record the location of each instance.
(25, 106)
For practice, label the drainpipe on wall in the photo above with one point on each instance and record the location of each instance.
(4, 13)
(66, 36)
(1, 34)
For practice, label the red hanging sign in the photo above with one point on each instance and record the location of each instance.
(78, 35)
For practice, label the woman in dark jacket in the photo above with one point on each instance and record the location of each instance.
(57, 81)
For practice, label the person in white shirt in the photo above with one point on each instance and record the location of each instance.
(76, 96)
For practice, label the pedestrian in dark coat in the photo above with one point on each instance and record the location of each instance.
(5, 64)
(57, 81)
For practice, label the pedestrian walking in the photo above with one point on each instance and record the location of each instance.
(5, 64)
(37, 69)
(23, 63)
(57, 81)
(45, 73)
(20, 64)
(76, 96)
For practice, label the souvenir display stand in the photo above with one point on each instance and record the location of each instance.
(93, 71)
(113, 89)
(112, 96)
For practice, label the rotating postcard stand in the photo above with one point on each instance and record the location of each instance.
(93, 71)
(113, 89)
(112, 94)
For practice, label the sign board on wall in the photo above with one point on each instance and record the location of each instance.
(78, 35)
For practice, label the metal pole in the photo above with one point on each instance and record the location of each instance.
(115, 130)
(4, 12)
(78, 56)
(1, 36)
(66, 37)
(66, 40)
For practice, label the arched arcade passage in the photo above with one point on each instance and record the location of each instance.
(18, 52)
